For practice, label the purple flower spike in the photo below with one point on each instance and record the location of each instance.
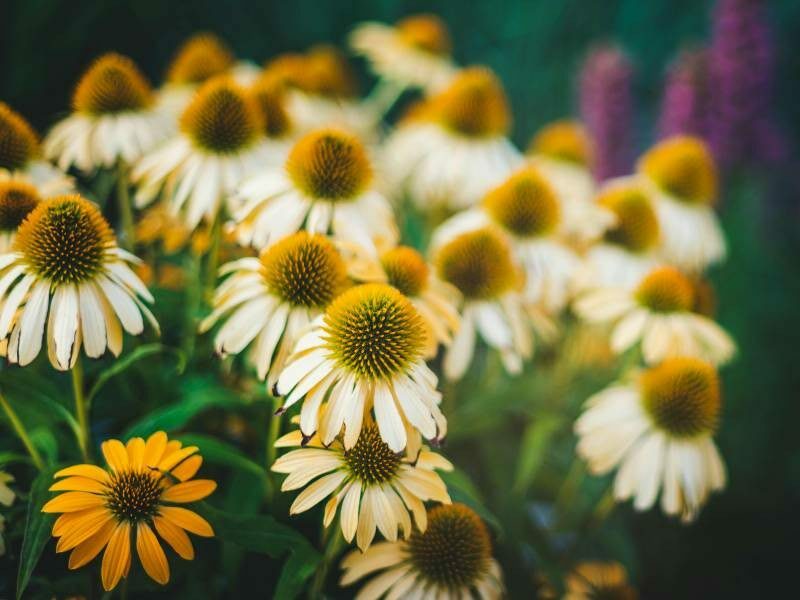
(685, 104)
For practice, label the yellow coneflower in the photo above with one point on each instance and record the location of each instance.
(325, 186)
(479, 264)
(65, 263)
(595, 580)
(658, 430)
(365, 353)
(659, 312)
(20, 156)
(279, 128)
(220, 143)
(17, 199)
(454, 148)
(129, 502)
(562, 152)
(373, 484)
(270, 300)
(451, 559)
(629, 248)
(414, 53)
(682, 176)
(114, 118)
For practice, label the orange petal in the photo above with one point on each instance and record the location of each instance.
(72, 501)
(188, 520)
(135, 449)
(84, 528)
(175, 537)
(116, 455)
(68, 521)
(90, 471)
(154, 448)
(188, 468)
(116, 556)
(171, 460)
(78, 484)
(90, 548)
(189, 491)
(151, 554)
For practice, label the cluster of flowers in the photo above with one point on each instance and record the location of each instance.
(339, 319)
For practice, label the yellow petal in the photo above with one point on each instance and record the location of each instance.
(154, 448)
(68, 521)
(83, 529)
(189, 491)
(135, 449)
(115, 454)
(188, 468)
(171, 460)
(72, 501)
(117, 555)
(90, 471)
(188, 520)
(90, 548)
(175, 537)
(151, 554)
(78, 484)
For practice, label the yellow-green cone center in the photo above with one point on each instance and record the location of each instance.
(478, 263)
(406, 270)
(684, 168)
(133, 496)
(17, 200)
(371, 460)
(113, 84)
(18, 141)
(666, 290)
(637, 227)
(525, 204)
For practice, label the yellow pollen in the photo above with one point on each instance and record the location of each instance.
(425, 32)
(329, 164)
(683, 167)
(474, 105)
(18, 141)
(222, 118)
(304, 270)
(371, 460)
(666, 290)
(406, 270)
(17, 200)
(329, 73)
(113, 84)
(65, 239)
(479, 264)
(271, 99)
(201, 57)
(374, 332)
(134, 496)
(563, 140)
(287, 70)
(682, 396)
(637, 226)
(525, 204)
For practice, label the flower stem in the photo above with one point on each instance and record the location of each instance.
(383, 97)
(213, 258)
(272, 435)
(125, 208)
(19, 428)
(81, 409)
(332, 541)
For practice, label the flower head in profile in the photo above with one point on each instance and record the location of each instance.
(682, 176)
(594, 580)
(130, 502)
(451, 558)
(267, 302)
(17, 199)
(657, 430)
(20, 156)
(480, 265)
(66, 272)
(453, 148)
(370, 484)
(114, 118)
(660, 313)
(219, 144)
(325, 186)
(365, 353)
(414, 53)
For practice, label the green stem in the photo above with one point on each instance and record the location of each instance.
(81, 408)
(273, 432)
(333, 541)
(569, 489)
(19, 428)
(213, 258)
(125, 209)
(382, 97)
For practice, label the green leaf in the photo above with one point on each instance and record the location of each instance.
(13, 457)
(217, 452)
(123, 364)
(46, 442)
(533, 449)
(38, 526)
(461, 489)
(299, 567)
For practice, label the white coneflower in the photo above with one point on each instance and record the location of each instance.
(220, 143)
(374, 485)
(280, 130)
(659, 313)
(598, 580)
(450, 560)
(326, 186)
(414, 53)
(562, 152)
(17, 200)
(365, 353)
(114, 118)
(20, 156)
(66, 272)
(629, 248)
(269, 301)
(658, 430)
(453, 148)
(682, 176)
(479, 265)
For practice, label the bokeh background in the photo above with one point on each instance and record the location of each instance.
(745, 544)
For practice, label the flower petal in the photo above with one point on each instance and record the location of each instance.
(151, 554)
(189, 491)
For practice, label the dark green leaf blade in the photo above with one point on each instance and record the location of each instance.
(38, 527)
(218, 452)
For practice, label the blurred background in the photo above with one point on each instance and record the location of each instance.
(745, 543)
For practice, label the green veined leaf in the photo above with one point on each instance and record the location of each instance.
(13, 457)
(299, 567)
(217, 452)
(461, 489)
(38, 526)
